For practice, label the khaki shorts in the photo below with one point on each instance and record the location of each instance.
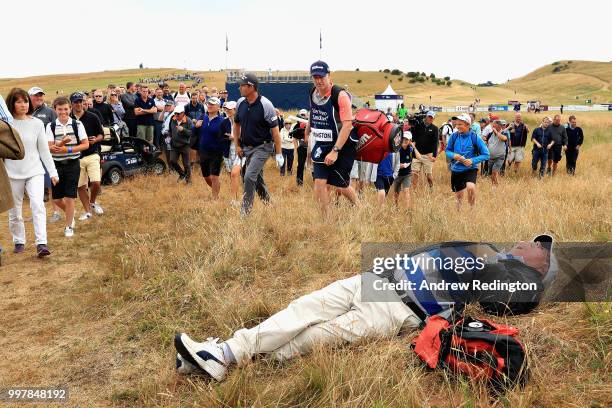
(90, 170)
(424, 163)
(516, 154)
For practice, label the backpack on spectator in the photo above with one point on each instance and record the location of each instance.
(476, 348)
(75, 128)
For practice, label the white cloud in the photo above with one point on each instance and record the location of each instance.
(475, 41)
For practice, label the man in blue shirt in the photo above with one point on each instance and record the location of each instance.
(144, 109)
(542, 142)
(466, 150)
(575, 138)
(384, 178)
(211, 147)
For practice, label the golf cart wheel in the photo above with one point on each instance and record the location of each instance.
(159, 167)
(115, 176)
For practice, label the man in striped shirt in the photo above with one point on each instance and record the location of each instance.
(67, 139)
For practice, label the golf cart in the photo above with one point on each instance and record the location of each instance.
(123, 156)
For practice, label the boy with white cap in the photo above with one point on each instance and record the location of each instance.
(466, 150)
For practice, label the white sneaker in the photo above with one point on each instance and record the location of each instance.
(68, 232)
(207, 355)
(85, 216)
(55, 217)
(185, 367)
(97, 208)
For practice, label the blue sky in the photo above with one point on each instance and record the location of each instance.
(474, 40)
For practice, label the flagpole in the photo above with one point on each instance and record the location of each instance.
(320, 44)
(226, 50)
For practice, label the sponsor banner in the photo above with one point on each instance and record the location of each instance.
(497, 108)
(461, 108)
(512, 103)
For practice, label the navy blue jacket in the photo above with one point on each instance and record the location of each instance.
(575, 137)
(541, 136)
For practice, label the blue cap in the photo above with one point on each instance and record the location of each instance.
(76, 96)
(319, 68)
(432, 114)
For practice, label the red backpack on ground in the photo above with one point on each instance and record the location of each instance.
(476, 348)
(376, 135)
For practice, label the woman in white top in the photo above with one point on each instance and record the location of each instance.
(28, 174)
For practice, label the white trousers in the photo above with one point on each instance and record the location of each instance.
(332, 315)
(35, 187)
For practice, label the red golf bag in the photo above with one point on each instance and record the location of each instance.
(476, 348)
(376, 135)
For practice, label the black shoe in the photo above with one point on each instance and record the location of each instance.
(180, 178)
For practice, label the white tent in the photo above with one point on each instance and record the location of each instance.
(388, 99)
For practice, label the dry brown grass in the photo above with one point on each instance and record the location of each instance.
(100, 314)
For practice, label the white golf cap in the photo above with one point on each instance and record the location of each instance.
(303, 112)
(407, 135)
(464, 117)
(35, 90)
(179, 109)
(230, 105)
(213, 100)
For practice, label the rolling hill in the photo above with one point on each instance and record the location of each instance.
(567, 82)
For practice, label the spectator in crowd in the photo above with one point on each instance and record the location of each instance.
(90, 173)
(297, 132)
(182, 97)
(88, 106)
(288, 146)
(497, 150)
(116, 106)
(223, 96)
(255, 130)
(233, 163)
(466, 150)
(542, 142)
(425, 137)
(575, 138)
(11, 148)
(128, 100)
(384, 178)
(196, 112)
(211, 146)
(475, 125)
(403, 169)
(202, 98)
(330, 125)
(158, 117)
(559, 136)
(446, 130)
(46, 115)
(180, 130)
(144, 109)
(204, 92)
(40, 109)
(67, 139)
(213, 92)
(166, 93)
(402, 112)
(166, 144)
(28, 175)
(486, 126)
(518, 139)
(106, 111)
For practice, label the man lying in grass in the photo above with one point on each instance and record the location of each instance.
(351, 309)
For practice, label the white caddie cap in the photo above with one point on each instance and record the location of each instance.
(464, 117)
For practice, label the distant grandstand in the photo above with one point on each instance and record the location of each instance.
(286, 90)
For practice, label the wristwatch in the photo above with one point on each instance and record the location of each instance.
(336, 149)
